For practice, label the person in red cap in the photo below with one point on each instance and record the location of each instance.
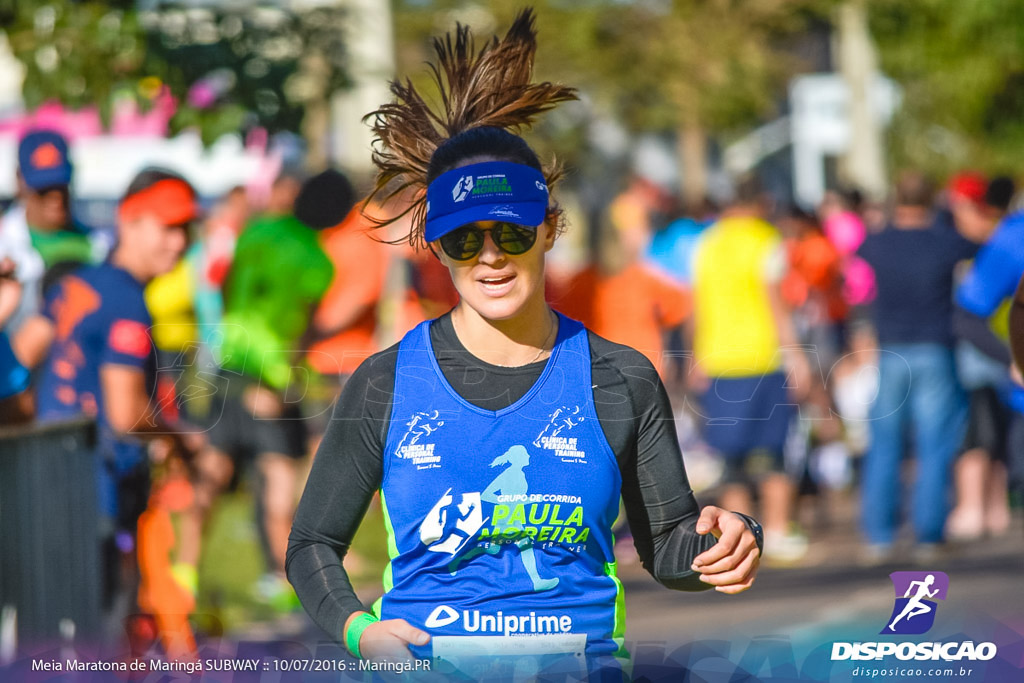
(101, 360)
(965, 197)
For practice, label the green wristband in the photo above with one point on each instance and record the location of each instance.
(355, 631)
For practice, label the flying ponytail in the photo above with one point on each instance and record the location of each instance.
(488, 92)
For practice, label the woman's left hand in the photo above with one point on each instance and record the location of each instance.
(731, 564)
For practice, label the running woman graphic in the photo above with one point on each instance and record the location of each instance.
(915, 606)
(511, 482)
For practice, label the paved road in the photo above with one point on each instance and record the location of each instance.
(986, 579)
(786, 624)
(783, 600)
(800, 611)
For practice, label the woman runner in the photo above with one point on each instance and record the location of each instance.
(500, 435)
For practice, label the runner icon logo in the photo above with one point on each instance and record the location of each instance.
(462, 188)
(419, 426)
(916, 592)
(443, 535)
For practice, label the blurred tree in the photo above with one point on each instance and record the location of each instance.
(277, 65)
(76, 53)
(961, 67)
(697, 67)
(229, 68)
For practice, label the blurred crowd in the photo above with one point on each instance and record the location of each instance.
(861, 348)
(857, 352)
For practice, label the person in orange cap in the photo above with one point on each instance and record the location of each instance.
(100, 360)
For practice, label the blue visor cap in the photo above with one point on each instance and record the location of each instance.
(43, 160)
(489, 191)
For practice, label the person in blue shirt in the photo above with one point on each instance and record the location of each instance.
(1017, 333)
(983, 300)
(101, 361)
(13, 375)
(914, 258)
(672, 248)
(501, 435)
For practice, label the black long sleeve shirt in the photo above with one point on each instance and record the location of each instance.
(635, 415)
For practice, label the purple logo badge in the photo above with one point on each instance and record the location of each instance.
(916, 593)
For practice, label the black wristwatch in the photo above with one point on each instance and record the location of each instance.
(755, 528)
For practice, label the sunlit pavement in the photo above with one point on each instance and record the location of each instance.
(830, 589)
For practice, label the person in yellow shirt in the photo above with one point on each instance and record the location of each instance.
(169, 299)
(744, 346)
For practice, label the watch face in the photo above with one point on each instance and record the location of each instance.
(755, 528)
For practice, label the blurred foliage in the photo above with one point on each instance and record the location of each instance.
(266, 61)
(652, 64)
(76, 53)
(709, 68)
(232, 562)
(228, 67)
(717, 64)
(723, 65)
(961, 67)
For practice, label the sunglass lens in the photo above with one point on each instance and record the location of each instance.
(466, 242)
(514, 239)
(462, 244)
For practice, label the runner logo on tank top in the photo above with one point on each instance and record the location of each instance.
(518, 518)
(499, 522)
(561, 445)
(421, 424)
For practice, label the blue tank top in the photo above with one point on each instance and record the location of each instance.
(500, 522)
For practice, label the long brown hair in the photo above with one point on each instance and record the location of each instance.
(487, 91)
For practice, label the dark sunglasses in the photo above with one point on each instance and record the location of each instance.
(466, 242)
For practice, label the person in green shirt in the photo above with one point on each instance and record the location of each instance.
(44, 180)
(37, 232)
(278, 275)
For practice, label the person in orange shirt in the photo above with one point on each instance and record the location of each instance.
(813, 285)
(346, 319)
(163, 591)
(623, 299)
(344, 324)
(815, 269)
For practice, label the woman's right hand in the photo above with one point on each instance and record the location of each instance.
(389, 640)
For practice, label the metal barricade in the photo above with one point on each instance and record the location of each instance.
(50, 575)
